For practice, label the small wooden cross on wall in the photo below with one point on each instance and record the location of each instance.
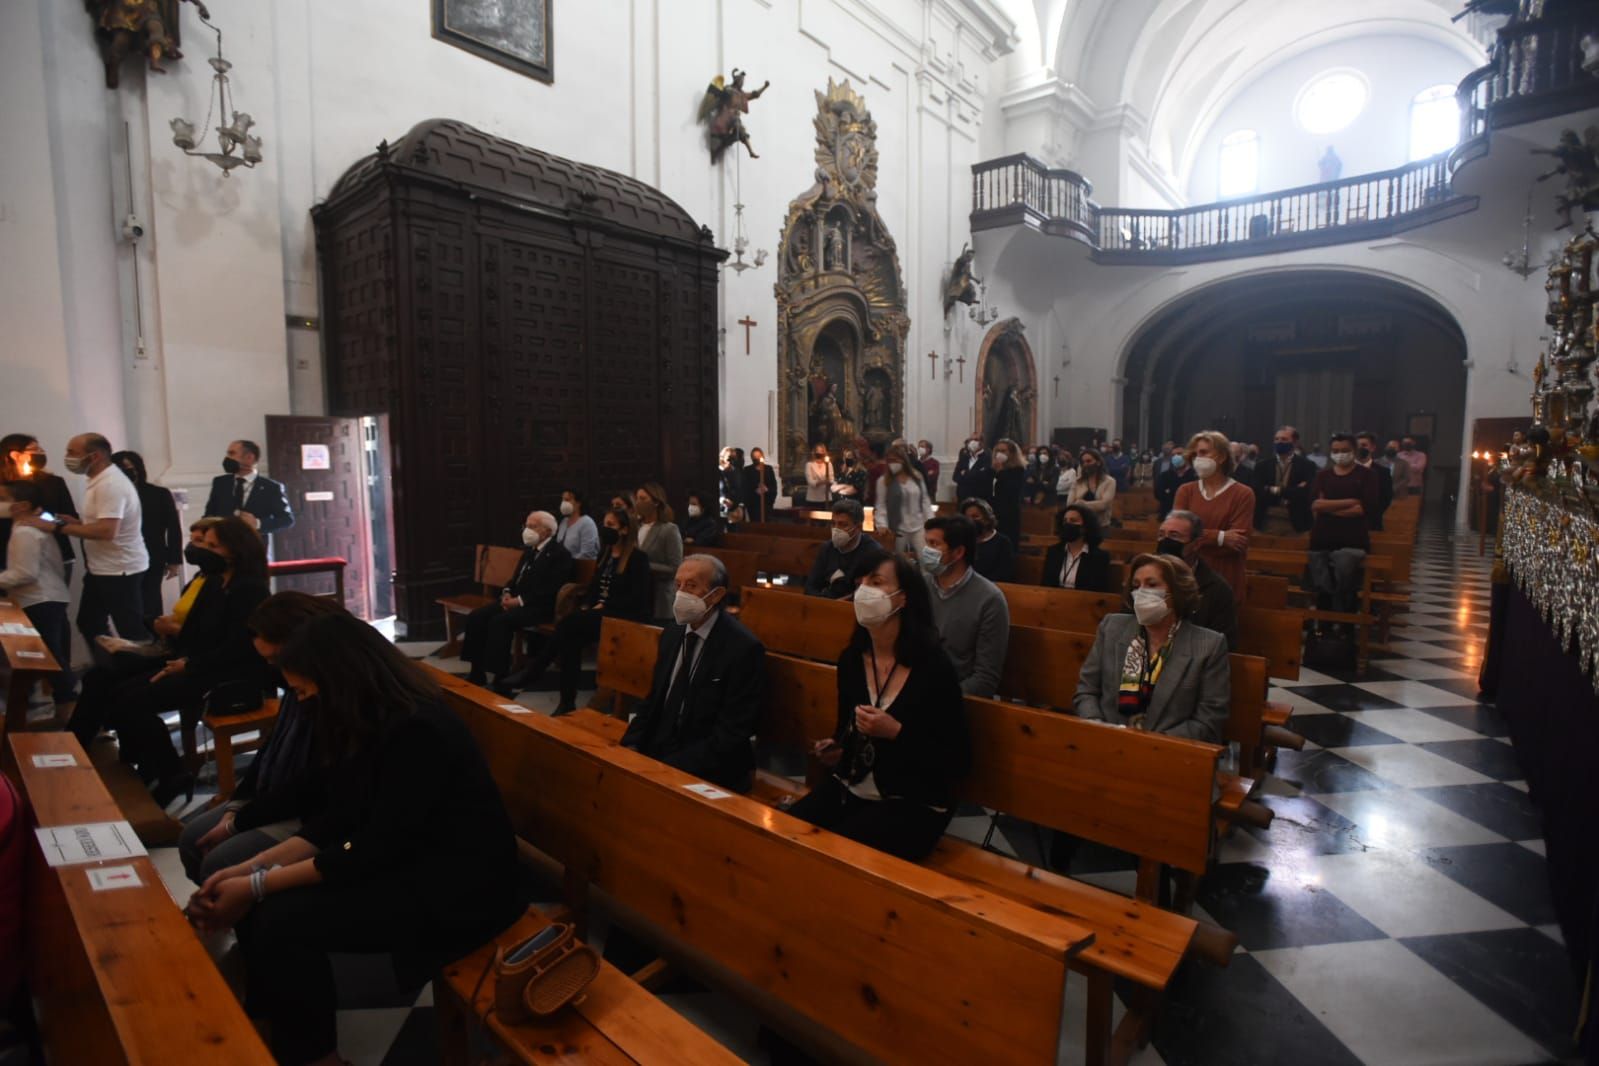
(932, 366)
(961, 359)
(1057, 386)
(748, 323)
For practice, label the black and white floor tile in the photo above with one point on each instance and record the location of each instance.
(1396, 911)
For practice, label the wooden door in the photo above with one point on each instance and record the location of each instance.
(321, 463)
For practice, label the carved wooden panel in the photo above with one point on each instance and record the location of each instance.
(529, 324)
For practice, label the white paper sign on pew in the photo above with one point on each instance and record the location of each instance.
(67, 845)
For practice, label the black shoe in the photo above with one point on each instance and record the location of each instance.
(170, 788)
(477, 677)
(563, 708)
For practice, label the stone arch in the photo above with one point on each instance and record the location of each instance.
(1005, 364)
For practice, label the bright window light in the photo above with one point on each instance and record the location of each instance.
(1434, 122)
(1330, 102)
(1239, 163)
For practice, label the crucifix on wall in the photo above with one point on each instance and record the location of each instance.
(932, 366)
(1057, 386)
(748, 323)
(961, 359)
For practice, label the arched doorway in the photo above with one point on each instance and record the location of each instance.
(1007, 385)
(1322, 350)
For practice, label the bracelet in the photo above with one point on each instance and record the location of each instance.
(258, 876)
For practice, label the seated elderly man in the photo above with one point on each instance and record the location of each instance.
(528, 600)
(1216, 609)
(710, 680)
(848, 547)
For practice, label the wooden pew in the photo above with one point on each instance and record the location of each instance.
(116, 976)
(493, 571)
(28, 659)
(742, 566)
(809, 627)
(914, 966)
(778, 555)
(615, 1020)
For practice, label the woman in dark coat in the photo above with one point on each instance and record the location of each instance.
(1076, 561)
(163, 533)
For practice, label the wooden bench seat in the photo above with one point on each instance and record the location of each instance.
(615, 1021)
(916, 966)
(225, 730)
(28, 660)
(493, 570)
(117, 976)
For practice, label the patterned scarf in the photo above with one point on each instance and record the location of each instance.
(1140, 674)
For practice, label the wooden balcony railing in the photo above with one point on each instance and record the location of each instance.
(1536, 71)
(1019, 190)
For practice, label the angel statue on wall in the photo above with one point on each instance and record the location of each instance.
(137, 27)
(962, 284)
(723, 108)
(1577, 160)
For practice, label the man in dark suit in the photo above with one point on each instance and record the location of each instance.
(241, 491)
(974, 472)
(1217, 610)
(528, 600)
(710, 680)
(1366, 454)
(1282, 487)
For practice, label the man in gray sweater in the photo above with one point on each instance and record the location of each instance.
(968, 609)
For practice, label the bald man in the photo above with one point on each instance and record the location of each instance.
(527, 601)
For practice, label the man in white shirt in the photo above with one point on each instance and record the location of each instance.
(113, 543)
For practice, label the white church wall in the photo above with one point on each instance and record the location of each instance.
(226, 260)
(1395, 69)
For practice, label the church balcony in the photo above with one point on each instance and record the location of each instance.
(1540, 68)
(1020, 190)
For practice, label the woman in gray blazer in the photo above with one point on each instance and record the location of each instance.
(662, 541)
(1151, 669)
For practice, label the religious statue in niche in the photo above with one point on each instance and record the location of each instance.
(148, 28)
(840, 296)
(962, 284)
(1577, 159)
(1007, 393)
(724, 108)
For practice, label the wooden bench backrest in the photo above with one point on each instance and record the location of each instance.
(1269, 591)
(1275, 635)
(742, 566)
(116, 976)
(583, 571)
(802, 530)
(496, 566)
(37, 657)
(778, 555)
(809, 627)
(1033, 605)
(1247, 711)
(626, 657)
(1041, 666)
(901, 961)
(1141, 792)
(1038, 520)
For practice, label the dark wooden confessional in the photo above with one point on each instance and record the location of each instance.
(528, 324)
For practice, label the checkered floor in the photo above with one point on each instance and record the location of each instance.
(1396, 911)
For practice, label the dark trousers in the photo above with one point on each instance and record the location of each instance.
(123, 697)
(572, 634)
(286, 942)
(50, 619)
(150, 588)
(108, 601)
(899, 827)
(490, 632)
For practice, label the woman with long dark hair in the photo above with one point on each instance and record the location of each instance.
(207, 642)
(22, 459)
(163, 533)
(414, 856)
(1077, 561)
(900, 746)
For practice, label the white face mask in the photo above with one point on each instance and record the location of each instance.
(895, 468)
(842, 538)
(531, 537)
(1001, 456)
(974, 446)
(688, 609)
(1204, 466)
(873, 606)
(695, 510)
(567, 508)
(1150, 606)
(1343, 458)
(924, 452)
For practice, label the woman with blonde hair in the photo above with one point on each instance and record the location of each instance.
(661, 540)
(1010, 483)
(1225, 506)
(904, 502)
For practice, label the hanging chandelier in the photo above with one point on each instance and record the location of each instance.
(239, 147)
(741, 244)
(1521, 262)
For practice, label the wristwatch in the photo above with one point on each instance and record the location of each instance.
(60, 524)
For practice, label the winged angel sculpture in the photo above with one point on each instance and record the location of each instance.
(723, 108)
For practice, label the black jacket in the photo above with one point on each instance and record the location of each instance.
(1093, 570)
(215, 638)
(1385, 494)
(720, 713)
(539, 575)
(750, 479)
(414, 814)
(299, 786)
(56, 498)
(1296, 496)
(1217, 609)
(996, 558)
(163, 533)
(1166, 485)
(702, 532)
(632, 593)
(1009, 485)
(974, 478)
(268, 501)
(829, 561)
(933, 752)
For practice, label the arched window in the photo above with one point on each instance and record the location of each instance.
(1239, 164)
(1330, 102)
(1434, 122)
